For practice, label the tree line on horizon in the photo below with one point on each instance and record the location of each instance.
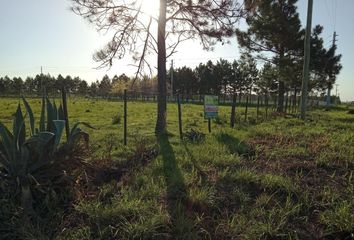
(240, 77)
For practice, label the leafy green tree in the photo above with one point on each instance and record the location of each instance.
(207, 82)
(17, 85)
(83, 87)
(249, 71)
(29, 85)
(93, 89)
(237, 78)
(223, 75)
(267, 83)
(5, 84)
(324, 64)
(2, 86)
(105, 86)
(275, 34)
(185, 81)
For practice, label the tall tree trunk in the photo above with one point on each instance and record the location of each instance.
(233, 110)
(294, 100)
(281, 85)
(281, 92)
(161, 71)
(286, 101)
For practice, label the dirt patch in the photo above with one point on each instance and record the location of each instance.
(266, 144)
(96, 173)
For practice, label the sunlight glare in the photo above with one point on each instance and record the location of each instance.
(150, 7)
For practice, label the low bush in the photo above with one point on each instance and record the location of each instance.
(116, 119)
(36, 168)
(194, 136)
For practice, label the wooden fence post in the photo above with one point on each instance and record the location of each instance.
(209, 125)
(179, 117)
(233, 111)
(246, 110)
(266, 103)
(125, 117)
(65, 110)
(258, 100)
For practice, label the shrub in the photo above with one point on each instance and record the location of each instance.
(116, 119)
(35, 163)
(194, 136)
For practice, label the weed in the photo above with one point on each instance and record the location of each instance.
(116, 119)
(194, 136)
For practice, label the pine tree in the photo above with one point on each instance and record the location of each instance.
(275, 34)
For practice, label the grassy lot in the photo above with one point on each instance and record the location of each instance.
(280, 178)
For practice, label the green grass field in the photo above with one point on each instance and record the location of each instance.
(280, 178)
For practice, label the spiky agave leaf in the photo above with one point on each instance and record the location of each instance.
(7, 140)
(19, 130)
(42, 117)
(4, 163)
(43, 144)
(77, 133)
(76, 126)
(61, 115)
(59, 128)
(50, 115)
(55, 109)
(30, 115)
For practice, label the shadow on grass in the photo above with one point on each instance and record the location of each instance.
(182, 226)
(195, 163)
(235, 145)
(345, 120)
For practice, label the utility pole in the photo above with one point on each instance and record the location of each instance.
(332, 75)
(306, 70)
(42, 79)
(172, 78)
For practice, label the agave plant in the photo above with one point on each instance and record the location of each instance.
(26, 162)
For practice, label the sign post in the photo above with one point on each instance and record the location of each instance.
(211, 108)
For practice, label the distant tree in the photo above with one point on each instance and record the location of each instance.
(17, 85)
(115, 79)
(237, 77)
(206, 79)
(60, 82)
(29, 85)
(119, 86)
(2, 86)
(249, 71)
(93, 89)
(123, 78)
(104, 86)
(223, 75)
(324, 64)
(267, 82)
(83, 87)
(145, 84)
(68, 83)
(6, 84)
(185, 81)
(75, 84)
(177, 21)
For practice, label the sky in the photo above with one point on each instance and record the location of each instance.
(46, 33)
